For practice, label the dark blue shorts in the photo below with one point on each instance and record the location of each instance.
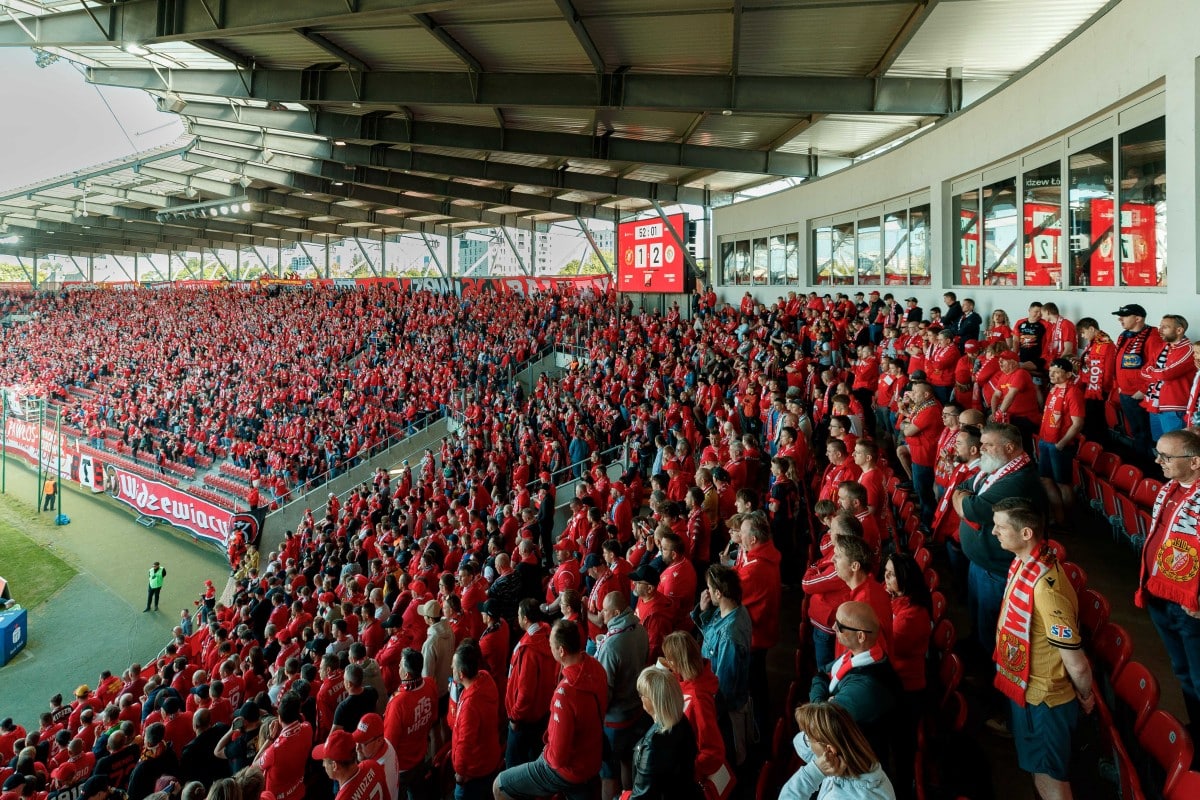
(1042, 736)
(1054, 463)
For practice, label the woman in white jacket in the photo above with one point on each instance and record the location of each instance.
(839, 763)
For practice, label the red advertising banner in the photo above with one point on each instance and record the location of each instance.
(649, 258)
(22, 436)
(155, 499)
(1043, 232)
(1139, 248)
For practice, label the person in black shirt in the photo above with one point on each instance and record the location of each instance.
(239, 744)
(1030, 340)
(969, 324)
(954, 312)
(913, 312)
(360, 700)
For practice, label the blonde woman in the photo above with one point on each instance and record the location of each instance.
(663, 761)
(681, 655)
(840, 764)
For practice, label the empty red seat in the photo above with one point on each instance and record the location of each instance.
(1165, 740)
(1137, 689)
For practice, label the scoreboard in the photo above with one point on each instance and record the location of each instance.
(649, 259)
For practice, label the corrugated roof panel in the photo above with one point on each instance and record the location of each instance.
(482, 13)
(656, 174)
(521, 159)
(674, 42)
(562, 120)
(841, 137)
(278, 50)
(738, 130)
(395, 48)
(463, 115)
(990, 38)
(826, 40)
(661, 126)
(523, 46)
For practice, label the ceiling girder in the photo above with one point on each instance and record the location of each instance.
(612, 90)
(373, 128)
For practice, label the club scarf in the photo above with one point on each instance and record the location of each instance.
(847, 662)
(1171, 558)
(983, 481)
(1013, 646)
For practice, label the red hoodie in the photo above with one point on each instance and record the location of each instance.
(700, 708)
(531, 676)
(761, 590)
(574, 738)
(475, 748)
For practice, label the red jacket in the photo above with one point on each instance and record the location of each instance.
(574, 738)
(678, 582)
(911, 628)
(761, 590)
(493, 643)
(700, 708)
(473, 595)
(1099, 367)
(1169, 386)
(531, 677)
(622, 516)
(1136, 352)
(475, 745)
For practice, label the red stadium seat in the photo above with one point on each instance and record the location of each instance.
(950, 674)
(944, 636)
(1094, 610)
(1127, 522)
(1076, 575)
(1146, 492)
(1137, 689)
(1112, 647)
(1129, 784)
(923, 558)
(1187, 787)
(1101, 493)
(938, 601)
(1165, 740)
(1084, 460)
(916, 541)
(1126, 478)
(1056, 547)
(932, 581)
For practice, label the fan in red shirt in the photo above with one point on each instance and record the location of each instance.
(1016, 398)
(356, 780)
(285, 750)
(1062, 422)
(922, 428)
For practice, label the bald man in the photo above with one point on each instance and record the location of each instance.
(862, 680)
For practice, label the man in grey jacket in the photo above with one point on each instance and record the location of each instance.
(623, 653)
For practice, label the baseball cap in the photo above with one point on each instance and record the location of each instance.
(250, 711)
(328, 598)
(83, 690)
(618, 486)
(369, 727)
(644, 574)
(94, 786)
(490, 607)
(592, 560)
(1130, 310)
(874, 293)
(431, 610)
(970, 345)
(1008, 355)
(393, 621)
(338, 747)
(911, 300)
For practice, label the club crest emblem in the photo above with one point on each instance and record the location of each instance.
(1178, 560)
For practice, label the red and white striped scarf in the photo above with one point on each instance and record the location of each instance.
(849, 661)
(1013, 646)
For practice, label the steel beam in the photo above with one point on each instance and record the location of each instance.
(754, 94)
(567, 9)
(908, 30)
(516, 253)
(334, 49)
(437, 262)
(392, 130)
(79, 177)
(142, 21)
(447, 41)
(408, 161)
(595, 247)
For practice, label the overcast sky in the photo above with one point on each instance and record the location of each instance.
(55, 122)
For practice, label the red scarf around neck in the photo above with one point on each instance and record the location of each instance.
(1013, 646)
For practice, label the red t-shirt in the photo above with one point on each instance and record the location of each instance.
(1025, 404)
(1063, 403)
(923, 445)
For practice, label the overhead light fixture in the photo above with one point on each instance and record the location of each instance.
(174, 103)
(214, 211)
(224, 211)
(339, 143)
(245, 206)
(190, 192)
(244, 181)
(339, 183)
(267, 154)
(135, 49)
(727, 113)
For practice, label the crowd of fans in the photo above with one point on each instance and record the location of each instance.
(439, 624)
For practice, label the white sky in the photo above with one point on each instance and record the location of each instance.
(55, 122)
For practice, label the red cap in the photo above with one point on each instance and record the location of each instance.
(338, 747)
(971, 346)
(618, 486)
(671, 464)
(328, 598)
(1008, 355)
(369, 727)
(565, 545)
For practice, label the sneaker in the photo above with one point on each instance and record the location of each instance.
(999, 726)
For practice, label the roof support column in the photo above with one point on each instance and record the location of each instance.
(367, 258)
(679, 242)
(326, 258)
(437, 262)
(595, 247)
(221, 264)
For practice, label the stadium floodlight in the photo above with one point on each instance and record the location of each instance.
(214, 211)
(224, 211)
(245, 206)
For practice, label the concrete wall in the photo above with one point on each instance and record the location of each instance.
(1139, 48)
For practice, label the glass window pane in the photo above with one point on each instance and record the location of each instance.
(918, 245)
(822, 259)
(844, 267)
(1091, 199)
(761, 268)
(868, 252)
(778, 276)
(1041, 191)
(727, 272)
(741, 261)
(966, 256)
(1143, 253)
(791, 258)
(1000, 233)
(895, 248)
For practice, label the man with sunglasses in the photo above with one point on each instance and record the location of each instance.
(1169, 584)
(862, 680)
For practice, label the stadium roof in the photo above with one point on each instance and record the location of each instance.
(332, 118)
